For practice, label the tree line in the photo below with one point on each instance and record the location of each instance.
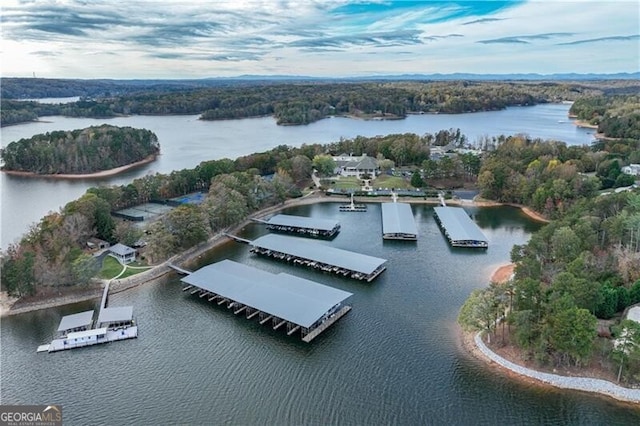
(80, 151)
(616, 116)
(302, 103)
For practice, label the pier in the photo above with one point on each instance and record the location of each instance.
(179, 269)
(319, 256)
(353, 207)
(459, 229)
(80, 330)
(398, 222)
(237, 239)
(302, 226)
(278, 300)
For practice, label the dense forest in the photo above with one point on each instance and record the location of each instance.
(303, 103)
(615, 116)
(80, 151)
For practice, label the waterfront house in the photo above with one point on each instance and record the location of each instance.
(349, 165)
(632, 169)
(124, 254)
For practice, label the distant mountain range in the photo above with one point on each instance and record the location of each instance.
(448, 77)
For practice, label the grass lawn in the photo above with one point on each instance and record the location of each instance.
(111, 268)
(347, 182)
(386, 181)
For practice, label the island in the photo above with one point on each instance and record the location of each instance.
(95, 151)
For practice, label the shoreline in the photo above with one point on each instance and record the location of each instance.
(473, 344)
(158, 271)
(96, 175)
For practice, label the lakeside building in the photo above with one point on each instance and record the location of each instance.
(303, 226)
(398, 222)
(349, 165)
(279, 299)
(319, 256)
(631, 169)
(459, 229)
(124, 254)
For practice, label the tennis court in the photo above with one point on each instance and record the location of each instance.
(143, 212)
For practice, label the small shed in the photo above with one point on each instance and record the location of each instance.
(97, 244)
(124, 254)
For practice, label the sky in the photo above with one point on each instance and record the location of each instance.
(321, 38)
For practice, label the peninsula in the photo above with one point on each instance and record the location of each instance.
(82, 153)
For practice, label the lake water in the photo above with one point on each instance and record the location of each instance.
(186, 141)
(394, 359)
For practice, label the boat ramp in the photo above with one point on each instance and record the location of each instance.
(302, 226)
(319, 256)
(279, 300)
(79, 330)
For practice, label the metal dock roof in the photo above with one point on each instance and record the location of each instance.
(397, 218)
(459, 225)
(297, 300)
(318, 252)
(303, 222)
(82, 319)
(117, 314)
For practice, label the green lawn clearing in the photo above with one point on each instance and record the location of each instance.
(346, 182)
(386, 181)
(111, 268)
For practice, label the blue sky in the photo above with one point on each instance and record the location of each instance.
(197, 39)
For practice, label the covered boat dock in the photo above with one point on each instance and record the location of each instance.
(115, 318)
(281, 300)
(459, 229)
(81, 321)
(303, 226)
(398, 222)
(319, 256)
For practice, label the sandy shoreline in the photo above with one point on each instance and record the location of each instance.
(96, 175)
(7, 307)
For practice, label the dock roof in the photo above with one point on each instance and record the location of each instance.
(116, 314)
(318, 252)
(397, 218)
(82, 319)
(303, 222)
(297, 300)
(459, 225)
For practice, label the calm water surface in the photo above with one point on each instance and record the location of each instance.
(394, 359)
(186, 141)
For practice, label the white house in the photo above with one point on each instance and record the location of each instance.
(124, 254)
(632, 169)
(349, 165)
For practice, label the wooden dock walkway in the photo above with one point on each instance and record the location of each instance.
(179, 269)
(316, 331)
(236, 238)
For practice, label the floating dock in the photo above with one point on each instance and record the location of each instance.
(280, 300)
(353, 207)
(319, 256)
(459, 229)
(79, 330)
(398, 222)
(302, 226)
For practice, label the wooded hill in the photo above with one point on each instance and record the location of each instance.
(302, 103)
(80, 151)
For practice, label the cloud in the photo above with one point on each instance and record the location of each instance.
(389, 38)
(191, 38)
(483, 21)
(525, 39)
(601, 39)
